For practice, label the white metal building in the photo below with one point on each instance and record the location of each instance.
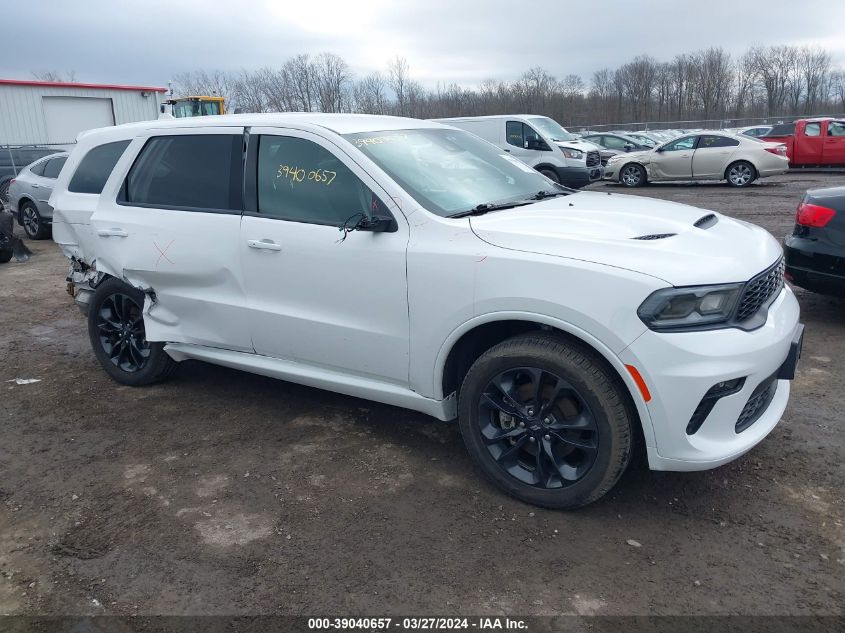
(47, 112)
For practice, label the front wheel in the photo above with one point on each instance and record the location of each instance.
(546, 421)
(551, 175)
(117, 333)
(632, 175)
(740, 174)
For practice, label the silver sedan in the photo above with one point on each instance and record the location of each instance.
(30, 191)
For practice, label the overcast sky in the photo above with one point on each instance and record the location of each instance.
(147, 42)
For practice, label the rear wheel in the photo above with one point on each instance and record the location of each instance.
(740, 174)
(546, 421)
(632, 175)
(116, 330)
(33, 224)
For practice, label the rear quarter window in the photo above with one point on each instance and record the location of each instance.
(96, 167)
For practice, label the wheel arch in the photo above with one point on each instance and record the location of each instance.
(476, 336)
(22, 201)
(632, 162)
(741, 160)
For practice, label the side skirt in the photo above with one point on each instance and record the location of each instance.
(318, 377)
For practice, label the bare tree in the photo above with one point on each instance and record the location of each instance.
(68, 76)
(397, 73)
(370, 94)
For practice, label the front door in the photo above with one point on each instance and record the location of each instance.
(318, 294)
(171, 226)
(674, 161)
(712, 156)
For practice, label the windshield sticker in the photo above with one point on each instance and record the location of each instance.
(298, 174)
(518, 163)
(379, 140)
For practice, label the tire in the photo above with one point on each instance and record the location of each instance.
(551, 174)
(116, 330)
(633, 175)
(740, 174)
(564, 450)
(33, 224)
(5, 255)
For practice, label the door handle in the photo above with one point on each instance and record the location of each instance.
(508, 151)
(34, 186)
(267, 245)
(112, 233)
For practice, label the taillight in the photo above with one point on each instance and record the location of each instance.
(813, 215)
(12, 181)
(780, 150)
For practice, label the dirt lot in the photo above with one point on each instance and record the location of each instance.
(223, 492)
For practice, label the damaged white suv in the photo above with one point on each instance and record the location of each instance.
(414, 264)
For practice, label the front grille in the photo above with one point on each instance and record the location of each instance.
(593, 159)
(757, 404)
(759, 290)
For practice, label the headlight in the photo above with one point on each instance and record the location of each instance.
(690, 308)
(572, 153)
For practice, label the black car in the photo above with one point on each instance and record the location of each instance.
(815, 252)
(616, 142)
(12, 160)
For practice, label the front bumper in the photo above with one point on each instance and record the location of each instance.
(679, 369)
(577, 177)
(814, 266)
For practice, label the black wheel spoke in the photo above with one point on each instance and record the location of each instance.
(504, 435)
(538, 427)
(121, 326)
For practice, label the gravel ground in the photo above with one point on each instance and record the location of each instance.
(226, 493)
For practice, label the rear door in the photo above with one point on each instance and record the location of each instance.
(674, 161)
(808, 146)
(318, 295)
(52, 168)
(169, 223)
(834, 143)
(712, 155)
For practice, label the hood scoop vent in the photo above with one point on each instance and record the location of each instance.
(706, 221)
(654, 236)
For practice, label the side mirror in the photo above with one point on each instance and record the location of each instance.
(378, 224)
(532, 143)
(629, 147)
(658, 149)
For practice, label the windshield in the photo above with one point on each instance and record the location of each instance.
(551, 128)
(451, 171)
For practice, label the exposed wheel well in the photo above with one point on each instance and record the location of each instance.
(474, 343)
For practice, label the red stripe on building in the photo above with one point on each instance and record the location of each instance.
(64, 84)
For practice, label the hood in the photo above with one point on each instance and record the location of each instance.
(641, 156)
(603, 228)
(584, 146)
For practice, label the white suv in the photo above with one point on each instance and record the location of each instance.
(414, 264)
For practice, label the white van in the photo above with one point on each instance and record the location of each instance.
(539, 142)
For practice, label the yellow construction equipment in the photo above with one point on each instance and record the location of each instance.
(194, 106)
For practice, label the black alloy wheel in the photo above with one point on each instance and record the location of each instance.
(538, 428)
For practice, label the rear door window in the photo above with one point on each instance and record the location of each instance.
(96, 167)
(708, 141)
(38, 168)
(54, 167)
(813, 129)
(836, 128)
(191, 172)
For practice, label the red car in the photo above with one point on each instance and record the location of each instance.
(811, 141)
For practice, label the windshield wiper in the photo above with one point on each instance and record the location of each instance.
(542, 195)
(483, 208)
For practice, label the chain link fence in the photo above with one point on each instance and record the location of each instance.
(695, 124)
